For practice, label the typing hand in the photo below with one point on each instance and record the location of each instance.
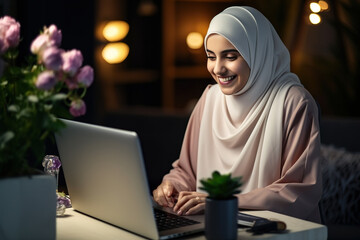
(165, 194)
(190, 203)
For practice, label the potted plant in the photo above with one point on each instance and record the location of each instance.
(221, 205)
(34, 92)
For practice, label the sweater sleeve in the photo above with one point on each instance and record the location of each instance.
(183, 173)
(299, 186)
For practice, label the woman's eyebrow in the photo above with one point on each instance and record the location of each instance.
(229, 51)
(224, 51)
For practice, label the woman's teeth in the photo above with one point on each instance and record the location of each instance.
(227, 79)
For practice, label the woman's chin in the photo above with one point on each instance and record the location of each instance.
(227, 91)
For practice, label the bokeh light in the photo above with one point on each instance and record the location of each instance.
(194, 40)
(315, 7)
(115, 52)
(115, 30)
(314, 18)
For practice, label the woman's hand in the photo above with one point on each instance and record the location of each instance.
(165, 194)
(190, 203)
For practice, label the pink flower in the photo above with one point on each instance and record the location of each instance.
(55, 35)
(13, 35)
(7, 20)
(52, 58)
(46, 80)
(9, 33)
(51, 37)
(39, 44)
(77, 108)
(85, 76)
(72, 61)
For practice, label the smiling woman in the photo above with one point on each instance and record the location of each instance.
(226, 65)
(257, 122)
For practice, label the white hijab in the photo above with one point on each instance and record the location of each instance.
(242, 133)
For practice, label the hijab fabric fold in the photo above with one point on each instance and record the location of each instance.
(242, 133)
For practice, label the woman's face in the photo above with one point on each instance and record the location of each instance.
(226, 65)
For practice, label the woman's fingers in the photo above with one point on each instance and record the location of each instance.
(168, 191)
(187, 202)
(164, 194)
(200, 207)
(190, 203)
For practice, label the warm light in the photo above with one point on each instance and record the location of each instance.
(324, 5)
(314, 18)
(115, 52)
(147, 8)
(194, 40)
(315, 7)
(115, 30)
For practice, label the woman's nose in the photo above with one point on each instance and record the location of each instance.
(219, 68)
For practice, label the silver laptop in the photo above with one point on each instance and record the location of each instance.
(106, 179)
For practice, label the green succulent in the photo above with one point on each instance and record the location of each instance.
(221, 186)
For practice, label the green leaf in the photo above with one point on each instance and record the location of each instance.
(13, 108)
(24, 113)
(48, 107)
(221, 186)
(59, 97)
(6, 137)
(33, 99)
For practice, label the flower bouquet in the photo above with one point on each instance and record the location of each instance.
(35, 92)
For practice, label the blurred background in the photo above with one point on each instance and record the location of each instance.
(150, 69)
(148, 54)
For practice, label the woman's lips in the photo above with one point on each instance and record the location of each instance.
(226, 80)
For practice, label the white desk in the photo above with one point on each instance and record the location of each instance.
(76, 226)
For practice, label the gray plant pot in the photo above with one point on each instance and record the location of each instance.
(221, 218)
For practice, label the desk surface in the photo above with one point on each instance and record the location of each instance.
(77, 226)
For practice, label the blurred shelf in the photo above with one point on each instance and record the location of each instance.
(179, 63)
(185, 72)
(132, 76)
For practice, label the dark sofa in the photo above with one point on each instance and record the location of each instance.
(161, 134)
(340, 201)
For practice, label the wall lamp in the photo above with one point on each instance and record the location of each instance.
(115, 52)
(115, 30)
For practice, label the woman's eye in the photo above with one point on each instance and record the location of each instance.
(231, 58)
(212, 58)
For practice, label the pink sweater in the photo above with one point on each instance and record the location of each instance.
(298, 190)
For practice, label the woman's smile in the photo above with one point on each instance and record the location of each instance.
(226, 80)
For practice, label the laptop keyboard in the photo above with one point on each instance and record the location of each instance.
(166, 221)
